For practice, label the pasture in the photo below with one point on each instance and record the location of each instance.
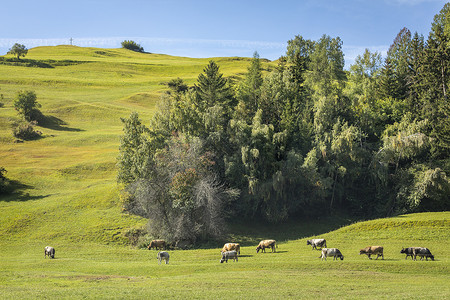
(67, 198)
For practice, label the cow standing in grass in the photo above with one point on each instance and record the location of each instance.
(161, 244)
(328, 252)
(322, 243)
(229, 255)
(49, 251)
(266, 244)
(372, 250)
(408, 251)
(163, 255)
(231, 247)
(422, 252)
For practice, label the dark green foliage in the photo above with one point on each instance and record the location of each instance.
(132, 45)
(26, 131)
(5, 186)
(308, 138)
(18, 50)
(27, 106)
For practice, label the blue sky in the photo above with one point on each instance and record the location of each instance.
(213, 28)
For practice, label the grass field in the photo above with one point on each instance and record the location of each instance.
(68, 198)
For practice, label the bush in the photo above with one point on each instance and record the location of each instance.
(26, 104)
(26, 131)
(4, 182)
(132, 45)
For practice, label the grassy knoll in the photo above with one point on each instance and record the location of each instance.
(68, 198)
(96, 270)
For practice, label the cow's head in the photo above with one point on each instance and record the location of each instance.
(362, 251)
(308, 242)
(342, 257)
(258, 248)
(432, 257)
(403, 250)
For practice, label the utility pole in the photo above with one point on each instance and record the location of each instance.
(71, 40)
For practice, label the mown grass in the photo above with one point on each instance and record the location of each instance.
(67, 197)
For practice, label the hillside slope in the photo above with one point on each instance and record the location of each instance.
(67, 178)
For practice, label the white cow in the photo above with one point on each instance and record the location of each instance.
(163, 255)
(229, 255)
(331, 252)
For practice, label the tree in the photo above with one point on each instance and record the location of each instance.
(132, 45)
(26, 104)
(134, 157)
(212, 88)
(18, 50)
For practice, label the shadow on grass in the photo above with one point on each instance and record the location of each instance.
(55, 123)
(252, 232)
(16, 193)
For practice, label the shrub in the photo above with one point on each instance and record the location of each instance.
(132, 45)
(4, 182)
(26, 104)
(26, 131)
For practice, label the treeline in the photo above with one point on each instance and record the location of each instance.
(306, 139)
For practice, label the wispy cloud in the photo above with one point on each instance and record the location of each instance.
(184, 47)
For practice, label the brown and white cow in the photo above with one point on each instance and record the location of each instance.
(161, 244)
(266, 244)
(231, 247)
(328, 252)
(372, 250)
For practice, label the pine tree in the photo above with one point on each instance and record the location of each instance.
(212, 88)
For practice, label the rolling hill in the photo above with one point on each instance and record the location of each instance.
(68, 198)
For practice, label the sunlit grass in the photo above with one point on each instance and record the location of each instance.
(68, 198)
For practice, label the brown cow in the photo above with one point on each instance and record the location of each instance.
(161, 244)
(231, 247)
(372, 250)
(266, 244)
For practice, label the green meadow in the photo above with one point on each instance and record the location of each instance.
(67, 197)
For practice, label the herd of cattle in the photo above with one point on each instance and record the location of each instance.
(233, 250)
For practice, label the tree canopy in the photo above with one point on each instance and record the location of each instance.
(303, 139)
(18, 50)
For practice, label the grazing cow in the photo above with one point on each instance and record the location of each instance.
(231, 247)
(372, 250)
(326, 252)
(229, 255)
(161, 244)
(408, 251)
(422, 252)
(322, 243)
(50, 251)
(163, 255)
(266, 244)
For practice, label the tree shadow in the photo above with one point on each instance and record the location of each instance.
(251, 232)
(54, 123)
(17, 194)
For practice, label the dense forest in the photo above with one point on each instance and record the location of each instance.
(307, 138)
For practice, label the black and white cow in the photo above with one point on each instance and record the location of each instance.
(408, 251)
(229, 255)
(163, 255)
(322, 243)
(422, 252)
(49, 251)
(328, 252)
